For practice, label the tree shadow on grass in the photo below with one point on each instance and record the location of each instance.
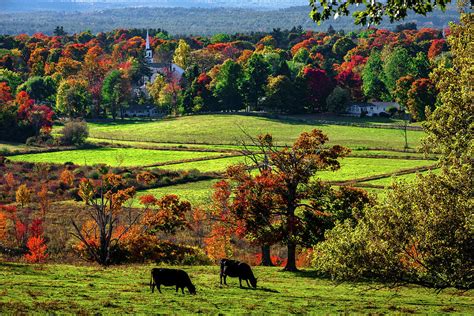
(22, 268)
(313, 274)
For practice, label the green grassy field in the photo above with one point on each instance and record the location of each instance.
(198, 193)
(225, 129)
(112, 156)
(27, 289)
(214, 165)
(407, 177)
(351, 167)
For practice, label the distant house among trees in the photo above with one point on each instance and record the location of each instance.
(371, 108)
(142, 111)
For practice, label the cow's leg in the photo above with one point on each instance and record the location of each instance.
(158, 286)
(176, 289)
(182, 290)
(248, 285)
(221, 278)
(225, 279)
(152, 284)
(240, 281)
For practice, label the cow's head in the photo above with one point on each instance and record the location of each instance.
(192, 289)
(253, 282)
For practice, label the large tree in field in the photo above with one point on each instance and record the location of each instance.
(283, 186)
(228, 86)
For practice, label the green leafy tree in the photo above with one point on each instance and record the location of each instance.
(450, 126)
(371, 12)
(182, 54)
(254, 80)
(372, 84)
(39, 88)
(338, 100)
(342, 46)
(73, 98)
(228, 85)
(401, 91)
(116, 92)
(421, 96)
(283, 95)
(12, 78)
(398, 64)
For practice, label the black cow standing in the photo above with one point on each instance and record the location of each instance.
(170, 277)
(234, 269)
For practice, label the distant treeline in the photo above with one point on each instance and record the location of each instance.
(191, 21)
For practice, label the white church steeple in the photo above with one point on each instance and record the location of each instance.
(148, 50)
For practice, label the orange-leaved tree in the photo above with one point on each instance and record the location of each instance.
(105, 198)
(272, 203)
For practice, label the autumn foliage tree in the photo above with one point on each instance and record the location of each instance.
(269, 207)
(105, 198)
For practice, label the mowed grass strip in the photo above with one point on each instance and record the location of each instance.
(355, 168)
(198, 193)
(407, 177)
(68, 289)
(214, 165)
(227, 129)
(113, 156)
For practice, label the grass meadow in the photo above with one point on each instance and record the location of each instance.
(50, 288)
(227, 129)
(407, 177)
(113, 156)
(198, 193)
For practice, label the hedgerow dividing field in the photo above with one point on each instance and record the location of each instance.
(124, 289)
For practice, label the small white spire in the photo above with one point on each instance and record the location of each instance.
(147, 47)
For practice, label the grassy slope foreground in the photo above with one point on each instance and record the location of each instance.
(226, 129)
(91, 290)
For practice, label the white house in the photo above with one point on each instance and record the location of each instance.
(371, 108)
(142, 111)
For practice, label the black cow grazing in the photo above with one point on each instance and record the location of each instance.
(170, 277)
(234, 269)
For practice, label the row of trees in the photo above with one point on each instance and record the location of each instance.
(290, 71)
